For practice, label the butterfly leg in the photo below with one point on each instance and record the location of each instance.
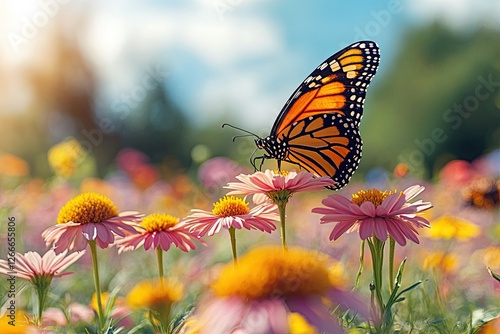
(253, 161)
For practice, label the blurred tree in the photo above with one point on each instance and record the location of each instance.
(158, 128)
(439, 100)
(58, 95)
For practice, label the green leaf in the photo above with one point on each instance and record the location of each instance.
(361, 260)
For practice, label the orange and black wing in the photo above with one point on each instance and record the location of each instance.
(326, 145)
(338, 85)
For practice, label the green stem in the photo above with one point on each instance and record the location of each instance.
(392, 247)
(95, 267)
(377, 251)
(159, 258)
(42, 284)
(281, 207)
(232, 234)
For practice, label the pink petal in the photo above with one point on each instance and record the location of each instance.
(380, 229)
(89, 231)
(413, 191)
(340, 229)
(368, 208)
(395, 233)
(366, 228)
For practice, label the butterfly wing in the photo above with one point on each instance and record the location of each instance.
(326, 145)
(338, 85)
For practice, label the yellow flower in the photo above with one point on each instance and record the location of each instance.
(230, 206)
(157, 297)
(447, 263)
(155, 293)
(292, 290)
(16, 323)
(449, 227)
(65, 157)
(271, 271)
(159, 222)
(337, 274)
(87, 218)
(372, 195)
(104, 300)
(87, 208)
(299, 325)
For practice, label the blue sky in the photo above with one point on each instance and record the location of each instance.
(234, 59)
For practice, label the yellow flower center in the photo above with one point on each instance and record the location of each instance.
(230, 206)
(155, 293)
(372, 195)
(87, 208)
(159, 222)
(271, 271)
(281, 172)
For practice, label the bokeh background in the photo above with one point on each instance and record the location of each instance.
(136, 91)
(162, 76)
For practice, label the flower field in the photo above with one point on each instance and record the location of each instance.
(228, 250)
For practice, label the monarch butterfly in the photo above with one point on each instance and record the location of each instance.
(318, 128)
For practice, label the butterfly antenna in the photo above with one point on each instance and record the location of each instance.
(240, 129)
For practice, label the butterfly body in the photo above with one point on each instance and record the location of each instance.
(318, 128)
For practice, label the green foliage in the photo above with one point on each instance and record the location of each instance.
(415, 108)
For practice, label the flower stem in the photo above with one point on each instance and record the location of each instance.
(159, 258)
(95, 267)
(377, 251)
(281, 207)
(232, 234)
(42, 284)
(392, 246)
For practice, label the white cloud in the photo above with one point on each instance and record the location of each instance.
(121, 37)
(216, 59)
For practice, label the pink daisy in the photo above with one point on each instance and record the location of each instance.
(231, 212)
(376, 213)
(31, 265)
(283, 292)
(271, 184)
(158, 230)
(89, 217)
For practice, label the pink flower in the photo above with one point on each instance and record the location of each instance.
(457, 172)
(53, 316)
(216, 172)
(231, 212)
(79, 312)
(272, 291)
(159, 230)
(31, 265)
(270, 315)
(89, 217)
(269, 182)
(376, 213)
